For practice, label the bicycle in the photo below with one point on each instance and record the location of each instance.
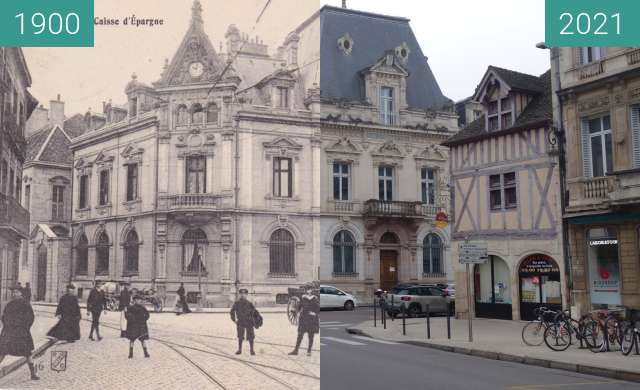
(533, 331)
(559, 335)
(609, 330)
(630, 338)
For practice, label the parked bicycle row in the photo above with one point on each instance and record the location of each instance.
(598, 331)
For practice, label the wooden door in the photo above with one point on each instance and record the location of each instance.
(388, 270)
(42, 273)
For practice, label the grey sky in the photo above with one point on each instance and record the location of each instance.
(462, 37)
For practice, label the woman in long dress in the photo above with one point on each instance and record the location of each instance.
(15, 339)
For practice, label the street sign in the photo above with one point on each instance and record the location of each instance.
(473, 253)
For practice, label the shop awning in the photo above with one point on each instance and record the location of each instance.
(603, 218)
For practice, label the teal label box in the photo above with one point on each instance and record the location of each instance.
(585, 23)
(46, 23)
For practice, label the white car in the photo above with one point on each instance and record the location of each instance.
(334, 298)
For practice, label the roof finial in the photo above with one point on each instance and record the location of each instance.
(196, 11)
(344, 3)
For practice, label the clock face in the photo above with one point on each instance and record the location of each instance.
(196, 69)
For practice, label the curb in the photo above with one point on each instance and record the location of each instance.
(547, 363)
(13, 366)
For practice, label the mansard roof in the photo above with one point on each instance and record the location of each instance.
(195, 46)
(372, 35)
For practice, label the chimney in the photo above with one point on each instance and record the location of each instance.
(56, 108)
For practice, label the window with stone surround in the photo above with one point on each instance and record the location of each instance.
(597, 146)
(385, 183)
(428, 186)
(387, 106)
(83, 192)
(197, 114)
(341, 178)
(212, 113)
(82, 255)
(194, 243)
(57, 203)
(102, 254)
(283, 97)
(432, 255)
(344, 254)
(196, 182)
(132, 182)
(131, 252)
(281, 253)
(104, 188)
(282, 177)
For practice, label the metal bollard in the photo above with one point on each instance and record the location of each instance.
(449, 320)
(404, 320)
(383, 308)
(393, 308)
(375, 309)
(428, 323)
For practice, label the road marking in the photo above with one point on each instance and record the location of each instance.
(325, 328)
(553, 386)
(330, 322)
(323, 345)
(334, 325)
(375, 340)
(343, 341)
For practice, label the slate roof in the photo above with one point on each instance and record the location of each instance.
(372, 35)
(57, 148)
(537, 111)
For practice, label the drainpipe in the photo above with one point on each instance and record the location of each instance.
(236, 192)
(154, 254)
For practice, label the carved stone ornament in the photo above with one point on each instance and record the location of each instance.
(431, 153)
(343, 146)
(282, 147)
(345, 43)
(591, 104)
(402, 52)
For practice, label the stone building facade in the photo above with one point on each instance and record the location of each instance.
(210, 178)
(599, 90)
(16, 105)
(505, 177)
(384, 177)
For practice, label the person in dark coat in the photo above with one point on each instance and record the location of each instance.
(137, 329)
(26, 292)
(15, 339)
(96, 304)
(243, 314)
(309, 321)
(125, 301)
(182, 299)
(68, 328)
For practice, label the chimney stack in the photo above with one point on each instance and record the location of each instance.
(56, 113)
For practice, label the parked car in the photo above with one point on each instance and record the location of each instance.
(416, 298)
(334, 298)
(450, 289)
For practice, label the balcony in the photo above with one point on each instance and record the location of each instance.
(393, 209)
(192, 201)
(589, 193)
(13, 217)
(591, 70)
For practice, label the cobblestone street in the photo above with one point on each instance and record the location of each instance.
(192, 351)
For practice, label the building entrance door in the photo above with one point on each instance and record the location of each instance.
(388, 269)
(42, 273)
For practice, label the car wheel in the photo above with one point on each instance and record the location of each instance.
(414, 311)
(348, 305)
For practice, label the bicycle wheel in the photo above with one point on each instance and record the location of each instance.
(533, 333)
(613, 332)
(598, 334)
(589, 329)
(628, 340)
(558, 336)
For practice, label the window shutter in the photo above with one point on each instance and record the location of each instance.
(586, 150)
(635, 135)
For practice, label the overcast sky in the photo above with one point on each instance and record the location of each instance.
(462, 37)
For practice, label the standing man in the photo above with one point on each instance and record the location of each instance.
(68, 328)
(309, 321)
(182, 300)
(243, 313)
(27, 292)
(96, 303)
(15, 339)
(125, 301)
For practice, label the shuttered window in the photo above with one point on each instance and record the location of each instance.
(597, 146)
(635, 137)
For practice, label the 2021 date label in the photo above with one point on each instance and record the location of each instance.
(580, 23)
(47, 23)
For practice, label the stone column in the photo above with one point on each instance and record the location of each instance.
(316, 177)
(227, 162)
(179, 187)
(209, 171)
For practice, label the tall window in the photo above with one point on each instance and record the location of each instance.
(104, 188)
(341, 173)
(83, 192)
(432, 255)
(102, 254)
(12, 184)
(131, 249)
(591, 54)
(283, 97)
(194, 242)
(281, 253)
(57, 203)
(82, 255)
(212, 113)
(132, 182)
(503, 191)
(387, 107)
(282, 177)
(182, 116)
(428, 186)
(5, 173)
(500, 114)
(196, 175)
(344, 253)
(597, 146)
(385, 183)
(27, 197)
(197, 114)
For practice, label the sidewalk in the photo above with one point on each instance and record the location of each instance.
(501, 340)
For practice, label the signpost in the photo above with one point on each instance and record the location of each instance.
(471, 253)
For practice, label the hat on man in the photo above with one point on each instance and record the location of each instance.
(243, 291)
(71, 287)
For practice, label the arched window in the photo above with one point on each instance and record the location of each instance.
(197, 114)
(182, 116)
(194, 243)
(131, 249)
(82, 255)
(281, 253)
(389, 238)
(212, 113)
(432, 255)
(102, 254)
(344, 253)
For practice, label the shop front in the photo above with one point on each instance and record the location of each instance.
(604, 267)
(540, 285)
(492, 289)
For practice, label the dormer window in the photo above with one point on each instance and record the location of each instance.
(499, 114)
(283, 97)
(387, 106)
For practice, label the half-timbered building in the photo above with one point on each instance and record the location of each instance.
(505, 181)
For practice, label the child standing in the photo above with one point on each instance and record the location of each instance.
(137, 316)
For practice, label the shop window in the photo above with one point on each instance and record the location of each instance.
(539, 285)
(604, 267)
(492, 289)
(194, 242)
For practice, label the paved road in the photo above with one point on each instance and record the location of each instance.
(350, 362)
